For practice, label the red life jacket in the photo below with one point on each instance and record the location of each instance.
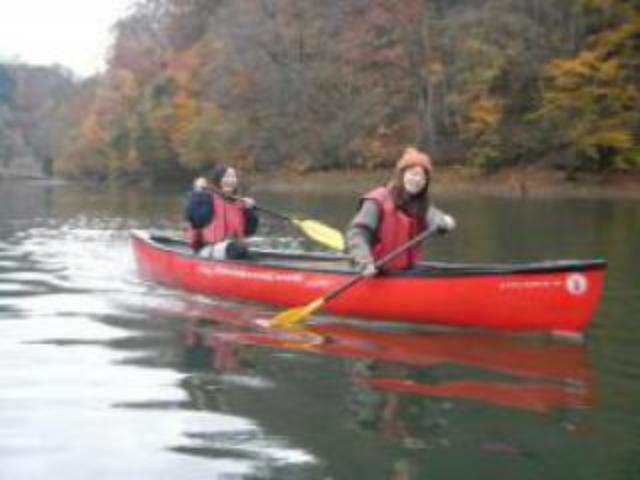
(394, 229)
(229, 221)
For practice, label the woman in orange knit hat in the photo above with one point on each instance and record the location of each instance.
(391, 215)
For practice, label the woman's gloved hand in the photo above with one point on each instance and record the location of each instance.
(365, 264)
(200, 184)
(446, 223)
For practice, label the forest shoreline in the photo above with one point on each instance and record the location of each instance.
(463, 181)
(448, 181)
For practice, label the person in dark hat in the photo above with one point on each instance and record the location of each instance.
(390, 216)
(219, 220)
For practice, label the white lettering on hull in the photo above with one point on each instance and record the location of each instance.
(529, 284)
(267, 277)
(574, 283)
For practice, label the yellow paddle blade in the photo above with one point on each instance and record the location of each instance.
(321, 233)
(295, 315)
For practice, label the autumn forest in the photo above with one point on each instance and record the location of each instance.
(328, 85)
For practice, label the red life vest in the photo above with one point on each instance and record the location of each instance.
(394, 229)
(229, 221)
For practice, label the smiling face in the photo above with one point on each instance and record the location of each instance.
(229, 181)
(414, 180)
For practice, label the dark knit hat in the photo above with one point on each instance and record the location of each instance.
(217, 173)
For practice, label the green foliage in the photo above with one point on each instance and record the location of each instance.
(203, 144)
(30, 98)
(593, 97)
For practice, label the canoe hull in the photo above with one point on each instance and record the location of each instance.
(547, 299)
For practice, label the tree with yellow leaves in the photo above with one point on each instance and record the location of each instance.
(594, 97)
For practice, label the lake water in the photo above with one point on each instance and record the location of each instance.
(104, 376)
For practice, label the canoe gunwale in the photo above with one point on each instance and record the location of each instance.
(422, 270)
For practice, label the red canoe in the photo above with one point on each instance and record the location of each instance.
(558, 296)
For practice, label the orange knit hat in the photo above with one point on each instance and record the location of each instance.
(412, 157)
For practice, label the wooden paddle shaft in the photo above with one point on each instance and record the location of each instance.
(383, 261)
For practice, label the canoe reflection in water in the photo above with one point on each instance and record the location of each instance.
(530, 374)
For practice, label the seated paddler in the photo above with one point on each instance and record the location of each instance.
(219, 219)
(391, 215)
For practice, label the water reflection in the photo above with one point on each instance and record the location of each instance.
(528, 374)
(419, 391)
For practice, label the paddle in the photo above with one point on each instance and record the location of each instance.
(297, 314)
(320, 232)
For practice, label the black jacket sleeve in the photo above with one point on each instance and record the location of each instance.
(252, 221)
(198, 209)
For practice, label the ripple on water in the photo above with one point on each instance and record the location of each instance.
(66, 392)
(12, 288)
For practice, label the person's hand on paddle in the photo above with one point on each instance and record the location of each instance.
(200, 184)
(365, 264)
(445, 224)
(248, 202)
(369, 269)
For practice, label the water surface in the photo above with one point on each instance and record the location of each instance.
(104, 376)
